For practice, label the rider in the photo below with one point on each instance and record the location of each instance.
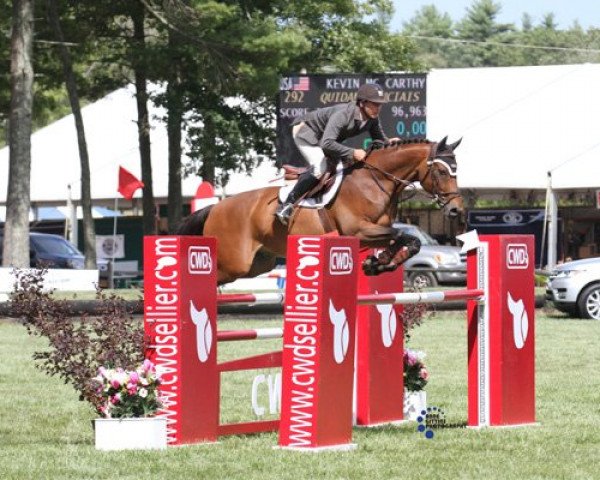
(319, 135)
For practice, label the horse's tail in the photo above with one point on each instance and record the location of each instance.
(194, 223)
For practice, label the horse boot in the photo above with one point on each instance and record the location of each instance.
(305, 183)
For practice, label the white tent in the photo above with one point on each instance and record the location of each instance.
(112, 141)
(519, 123)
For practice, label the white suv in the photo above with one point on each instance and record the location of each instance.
(574, 288)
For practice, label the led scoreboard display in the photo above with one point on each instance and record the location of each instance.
(404, 116)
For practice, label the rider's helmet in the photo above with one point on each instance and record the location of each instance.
(370, 92)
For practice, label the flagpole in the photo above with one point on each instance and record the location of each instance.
(112, 260)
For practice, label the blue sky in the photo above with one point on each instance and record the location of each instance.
(587, 12)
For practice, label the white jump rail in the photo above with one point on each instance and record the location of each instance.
(420, 297)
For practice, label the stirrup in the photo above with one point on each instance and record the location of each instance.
(284, 212)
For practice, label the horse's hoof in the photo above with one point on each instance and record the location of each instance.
(370, 266)
(384, 257)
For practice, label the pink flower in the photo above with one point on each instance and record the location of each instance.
(411, 358)
(147, 365)
(114, 399)
(115, 383)
(134, 378)
(424, 374)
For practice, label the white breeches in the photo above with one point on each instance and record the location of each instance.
(312, 154)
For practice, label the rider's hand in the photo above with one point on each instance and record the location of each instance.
(359, 154)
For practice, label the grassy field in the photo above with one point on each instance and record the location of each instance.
(45, 432)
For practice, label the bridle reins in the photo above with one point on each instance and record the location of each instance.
(441, 198)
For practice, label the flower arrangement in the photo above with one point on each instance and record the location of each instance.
(415, 371)
(125, 394)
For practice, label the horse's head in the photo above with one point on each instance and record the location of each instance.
(439, 178)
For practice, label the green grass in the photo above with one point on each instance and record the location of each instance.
(45, 432)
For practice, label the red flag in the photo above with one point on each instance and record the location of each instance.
(128, 184)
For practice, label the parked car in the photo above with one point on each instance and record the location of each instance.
(574, 288)
(53, 251)
(434, 264)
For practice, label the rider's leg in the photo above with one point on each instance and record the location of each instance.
(316, 159)
(305, 183)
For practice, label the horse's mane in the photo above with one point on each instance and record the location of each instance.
(408, 141)
(379, 145)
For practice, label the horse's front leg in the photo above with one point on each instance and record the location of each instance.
(397, 248)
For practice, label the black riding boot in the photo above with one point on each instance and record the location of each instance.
(305, 183)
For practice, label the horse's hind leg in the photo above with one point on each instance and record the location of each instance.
(235, 257)
(264, 261)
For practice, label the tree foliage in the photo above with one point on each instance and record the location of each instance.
(215, 64)
(480, 40)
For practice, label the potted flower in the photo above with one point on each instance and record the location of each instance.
(128, 401)
(415, 379)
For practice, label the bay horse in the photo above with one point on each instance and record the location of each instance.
(250, 237)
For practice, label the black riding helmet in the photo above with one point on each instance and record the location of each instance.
(370, 92)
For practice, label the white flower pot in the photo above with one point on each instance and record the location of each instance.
(414, 404)
(131, 433)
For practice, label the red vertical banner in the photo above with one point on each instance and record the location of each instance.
(180, 311)
(318, 343)
(379, 351)
(502, 332)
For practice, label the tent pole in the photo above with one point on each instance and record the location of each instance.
(553, 225)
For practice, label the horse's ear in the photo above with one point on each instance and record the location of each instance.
(452, 146)
(442, 144)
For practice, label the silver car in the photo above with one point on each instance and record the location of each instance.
(574, 288)
(434, 264)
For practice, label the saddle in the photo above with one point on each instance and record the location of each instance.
(326, 180)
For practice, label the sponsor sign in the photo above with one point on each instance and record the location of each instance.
(180, 322)
(318, 342)
(110, 246)
(501, 332)
(59, 279)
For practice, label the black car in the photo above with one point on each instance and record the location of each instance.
(51, 251)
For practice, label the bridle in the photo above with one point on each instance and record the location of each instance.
(441, 198)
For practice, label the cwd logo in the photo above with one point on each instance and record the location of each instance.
(517, 256)
(341, 335)
(204, 333)
(340, 261)
(199, 261)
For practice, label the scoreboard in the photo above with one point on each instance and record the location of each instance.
(404, 116)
